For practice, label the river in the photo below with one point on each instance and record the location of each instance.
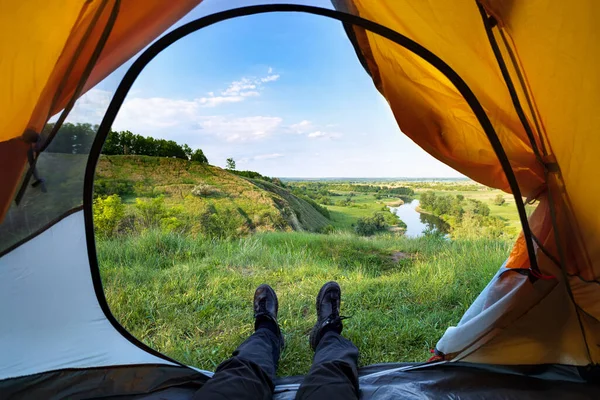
(416, 223)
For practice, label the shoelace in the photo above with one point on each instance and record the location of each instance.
(262, 305)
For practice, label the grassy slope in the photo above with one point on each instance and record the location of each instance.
(176, 178)
(305, 214)
(191, 298)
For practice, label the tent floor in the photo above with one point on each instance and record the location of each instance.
(381, 381)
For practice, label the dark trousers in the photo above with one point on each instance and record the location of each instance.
(250, 372)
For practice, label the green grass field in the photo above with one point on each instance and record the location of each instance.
(507, 211)
(191, 297)
(342, 217)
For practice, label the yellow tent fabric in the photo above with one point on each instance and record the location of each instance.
(46, 48)
(552, 55)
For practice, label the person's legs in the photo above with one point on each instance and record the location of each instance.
(334, 372)
(250, 372)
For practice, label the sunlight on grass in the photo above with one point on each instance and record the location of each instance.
(190, 298)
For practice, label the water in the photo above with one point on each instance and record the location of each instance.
(416, 223)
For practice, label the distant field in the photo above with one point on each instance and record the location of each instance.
(344, 217)
(365, 204)
(507, 211)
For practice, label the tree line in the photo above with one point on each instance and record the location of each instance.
(469, 218)
(78, 138)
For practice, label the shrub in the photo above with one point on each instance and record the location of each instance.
(204, 190)
(108, 212)
(108, 187)
(344, 203)
(499, 200)
(221, 225)
(367, 226)
(150, 211)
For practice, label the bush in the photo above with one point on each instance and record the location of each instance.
(367, 226)
(109, 187)
(204, 190)
(221, 225)
(499, 200)
(108, 212)
(344, 203)
(150, 211)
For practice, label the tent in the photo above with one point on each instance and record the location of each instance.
(503, 91)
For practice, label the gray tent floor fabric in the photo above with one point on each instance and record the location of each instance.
(380, 381)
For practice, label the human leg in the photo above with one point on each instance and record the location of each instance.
(250, 372)
(334, 372)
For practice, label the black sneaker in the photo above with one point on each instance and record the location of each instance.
(266, 307)
(328, 313)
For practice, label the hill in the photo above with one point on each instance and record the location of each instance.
(197, 190)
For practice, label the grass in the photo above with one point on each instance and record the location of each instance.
(507, 211)
(191, 297)
(365, 205)
(258, 202)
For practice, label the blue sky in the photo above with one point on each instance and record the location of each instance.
(283, 94)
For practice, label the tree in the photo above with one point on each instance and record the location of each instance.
(188, 151)
(499, 200)
(112, 147)
(230, 163)
(71, 138)
(199, 156)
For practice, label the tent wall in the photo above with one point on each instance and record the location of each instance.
(51, 318)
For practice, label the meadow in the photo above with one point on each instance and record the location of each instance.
(191, 298)
(182, 247)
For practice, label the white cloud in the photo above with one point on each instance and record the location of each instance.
(324, 135)
(216, 100)
(267, 156)
(270, 78)
(90, 107)
(237, 87)
(170, 118)
(236, 129)
(302, 127)
(249, 86)
(306, 127)
(160, 112)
